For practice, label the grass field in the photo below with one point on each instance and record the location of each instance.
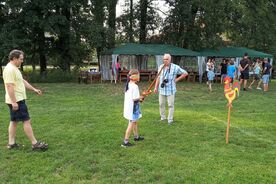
(84, 127)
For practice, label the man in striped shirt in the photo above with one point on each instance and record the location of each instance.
(166, 85)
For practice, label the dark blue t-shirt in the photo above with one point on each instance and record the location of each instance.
(268, 67)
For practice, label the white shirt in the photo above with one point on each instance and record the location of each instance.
(131, 94)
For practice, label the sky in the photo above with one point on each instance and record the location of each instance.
(160, 3)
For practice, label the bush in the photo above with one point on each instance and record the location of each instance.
(52, 76)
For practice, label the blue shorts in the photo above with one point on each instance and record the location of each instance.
(265, 79)
(21, 114)
(210, 75)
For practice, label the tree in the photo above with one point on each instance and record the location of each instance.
(253, 24)
(111, 6)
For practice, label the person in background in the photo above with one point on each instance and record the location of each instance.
(210, 68)
(223, 70)
(256, 74)
(244, 69)
(15, 97)
(231, 71)
(266, 74)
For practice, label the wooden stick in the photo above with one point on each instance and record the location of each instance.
(154, 81)
(228, 125)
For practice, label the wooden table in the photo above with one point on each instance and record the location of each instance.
(149, 74)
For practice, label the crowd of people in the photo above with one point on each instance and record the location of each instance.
(260, 70)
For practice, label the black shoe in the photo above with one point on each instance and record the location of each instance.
(40, 146)
(14, 146)
(126, 145)
(244, 89)
(140, 138)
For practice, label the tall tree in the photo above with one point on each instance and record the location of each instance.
(253, 24)
(111, 22)
(143, 21)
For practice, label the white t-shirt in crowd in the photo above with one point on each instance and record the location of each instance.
(131, 94)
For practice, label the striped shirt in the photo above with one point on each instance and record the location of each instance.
(170, 74)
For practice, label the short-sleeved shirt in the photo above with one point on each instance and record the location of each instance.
(257, 70)
(267, 66)
(210, 67)
(132, 109)
(223, 68)
(12, 75)
(170, 74)
(231, 69)
(243, 63)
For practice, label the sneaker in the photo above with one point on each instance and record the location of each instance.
(14, 146)
(249, 87)
(162, 119)
(126, 145)
(244, 89)
(140, 138)
(170, 122)
(259, 88)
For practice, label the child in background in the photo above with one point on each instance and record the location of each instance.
(231, 71)
(256, 73)
(266, 74)
(223, 70)
(132, 107)
(210, 68)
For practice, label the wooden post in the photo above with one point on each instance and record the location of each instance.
(228, 124)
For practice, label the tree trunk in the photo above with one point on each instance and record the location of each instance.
(143, 21)
(99, 18)
(130, 32)
(41, 51)
(64, 41)
(112, 22)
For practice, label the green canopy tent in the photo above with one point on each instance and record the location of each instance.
(137, 55)
(233, 52)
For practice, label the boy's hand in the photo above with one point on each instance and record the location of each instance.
(142, 98)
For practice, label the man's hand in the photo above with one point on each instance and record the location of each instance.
(155, 90)
(14, 106)
(38, 91)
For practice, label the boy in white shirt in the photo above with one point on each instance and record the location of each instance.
(132, 107)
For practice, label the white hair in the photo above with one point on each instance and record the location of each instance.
(169, 56)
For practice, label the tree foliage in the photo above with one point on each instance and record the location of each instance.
(64, 33)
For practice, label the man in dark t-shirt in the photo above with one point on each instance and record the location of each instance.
(244, 69)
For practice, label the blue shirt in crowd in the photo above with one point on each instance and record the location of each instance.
(231, 69)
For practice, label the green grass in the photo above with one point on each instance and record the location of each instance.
(84, 127)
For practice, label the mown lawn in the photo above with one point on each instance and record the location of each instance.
(84, 127)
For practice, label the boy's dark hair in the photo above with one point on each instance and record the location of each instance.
(15, 54)
(245, 54)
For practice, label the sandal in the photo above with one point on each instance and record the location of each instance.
(14, 146)
(40, 146)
